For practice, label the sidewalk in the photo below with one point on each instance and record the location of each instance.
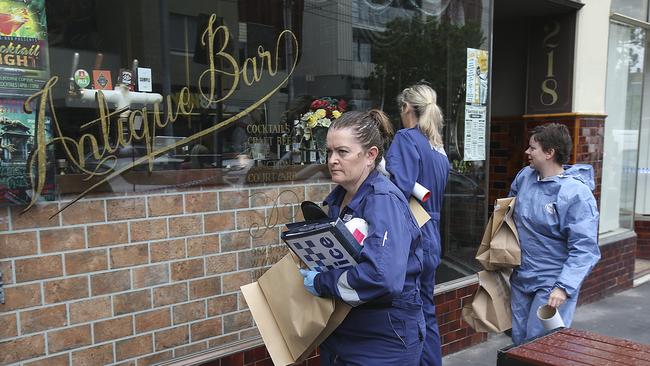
(624, 315)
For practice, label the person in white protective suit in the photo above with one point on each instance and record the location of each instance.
(557, 221)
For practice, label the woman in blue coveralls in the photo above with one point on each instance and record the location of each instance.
(386, 324)
(417, 155)
(557, 222)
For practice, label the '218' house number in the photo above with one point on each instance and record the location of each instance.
(549, 86)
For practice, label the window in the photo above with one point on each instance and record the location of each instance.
(215, 92)
(637, 9)
(623, 104)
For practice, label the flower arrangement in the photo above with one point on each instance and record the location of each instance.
(321, 113)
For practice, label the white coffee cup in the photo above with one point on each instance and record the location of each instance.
(550, 317)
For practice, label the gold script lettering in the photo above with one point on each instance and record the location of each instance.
(75, 150)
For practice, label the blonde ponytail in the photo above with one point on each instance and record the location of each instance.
(423, 99)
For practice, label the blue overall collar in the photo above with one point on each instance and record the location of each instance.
(334, 199)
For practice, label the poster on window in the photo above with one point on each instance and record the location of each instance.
(17, 139)
(24, 66)
(477, 77)
(475, 117)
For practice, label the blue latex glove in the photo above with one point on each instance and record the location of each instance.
(308, 280)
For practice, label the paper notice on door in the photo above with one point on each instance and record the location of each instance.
(474, 133)
(477, 77)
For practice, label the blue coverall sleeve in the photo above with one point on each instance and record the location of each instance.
(514, 186)
(579, 221)
(403, 163)
(381, 272)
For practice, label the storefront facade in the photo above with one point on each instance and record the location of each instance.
(130, 218)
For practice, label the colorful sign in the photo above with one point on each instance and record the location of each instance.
(23, 47)
(17, 131)
(102, 80)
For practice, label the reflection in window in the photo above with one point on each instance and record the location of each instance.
(625, 62)
(243, 122)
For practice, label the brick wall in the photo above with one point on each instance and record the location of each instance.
(642, 228)
(138, 279)
(509, 139)
(455, 333)
(613, 273)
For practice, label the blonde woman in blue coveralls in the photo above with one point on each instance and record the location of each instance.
(386, 324)
(557, 222)
(417, 155)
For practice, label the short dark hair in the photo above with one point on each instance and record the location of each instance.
(554, 136)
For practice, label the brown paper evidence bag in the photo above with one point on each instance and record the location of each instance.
(499, 252)
(291, 321)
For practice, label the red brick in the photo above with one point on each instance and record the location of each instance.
(125, 209)
(291, 195)
(106, 283)
(185, 226)
(236, 359)
(237, 321)
(18, 244)
(132, 302)
(4, 218)
(165, 205)
(223, 340)
(222, 305)
(87, 261)
(200, 202)
(42, 319)
(99, 355)
(249, 219)
(229, 200)
(276, 216)
(255, 354)
(235, 241)
(263, 197)
(68, 338)
(132, 347)
(317, 192)
(7, 270)
(171, 294)
(38, 268)
(145, 230)
(38, 216)
(152, 320)
(185, 270)
(205, 287)
(150, 275)
(266, 236)
(206, 329)
(155, 358)
(129, 255)
(19, 297)
(59, 240)
(223, 263)
(9, 326)
(202, 245)
(84, 212)
(60, 360)
(66, 289)
(185, 313)
(108, 234)
(219, 222)
(173, 337)
(89, 310)
(22, 349)
(192, 348)
(113, 329)
(232, 282)
(167, 250)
